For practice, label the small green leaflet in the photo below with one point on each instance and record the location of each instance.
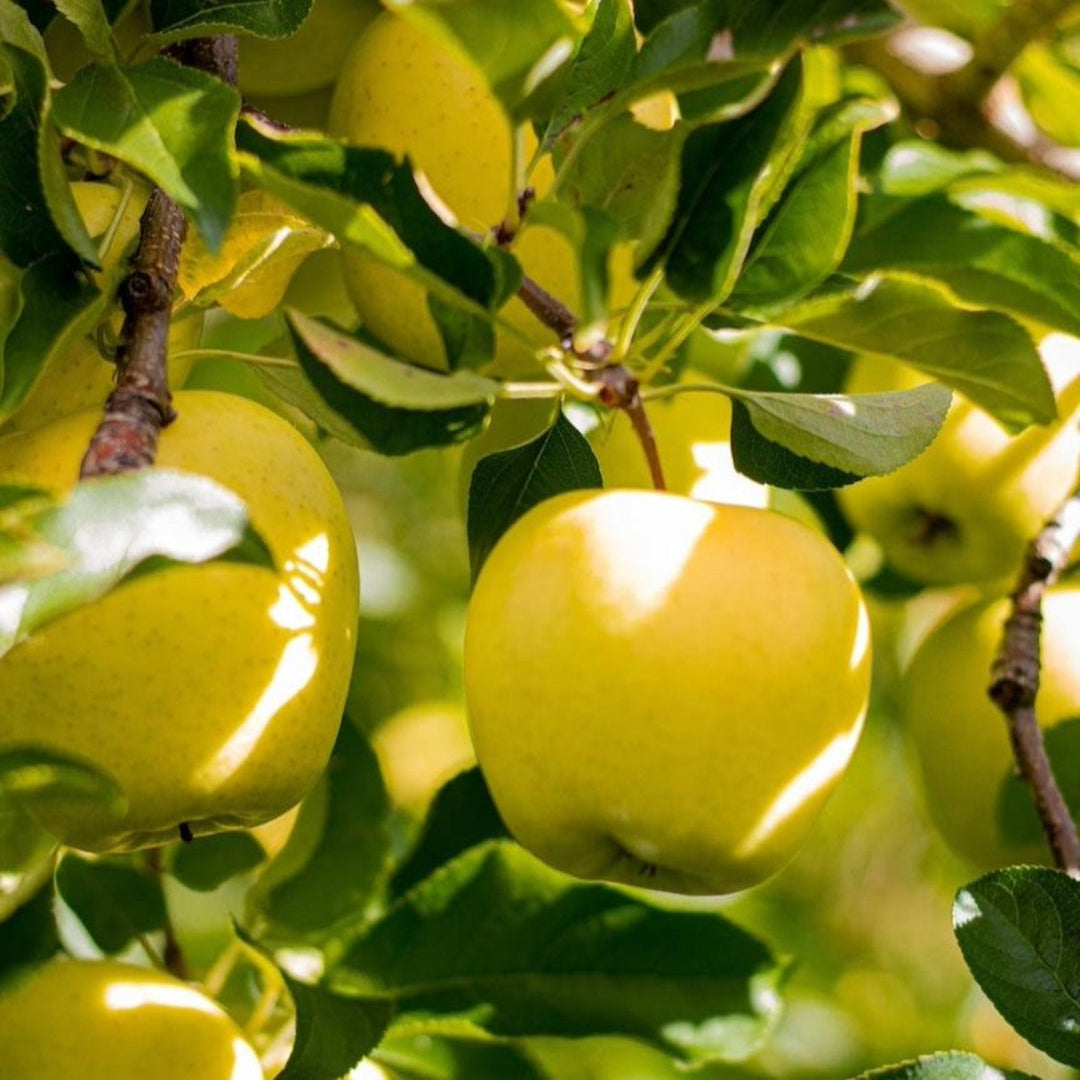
(174, 19)
(951, 1066)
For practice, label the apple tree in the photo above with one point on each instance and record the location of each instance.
(696, 384)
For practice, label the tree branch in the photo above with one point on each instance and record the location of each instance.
(140, 406)
(1015, 680)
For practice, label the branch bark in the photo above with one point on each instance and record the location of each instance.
(1015, 680)
(140, 406)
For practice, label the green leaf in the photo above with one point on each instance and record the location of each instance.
(727, 172)
(512, 43)
(337, 853)
(59, 306)
(552, 956)
(1019, 931)
(30, 774)
(208, 862)
(333, 1032)
(950, 1066)
(38, 215)
(430, 1054)
(805, 237)
(170, 122)
(396, 407)
(912, 168)
(1046, 80)
(370, 201)
(114, 902)
(507, 484)
(862, 434)
(768, 462)
(601, 65)
(462, 815)
(174, 19)
(985, 355)
(93, 23)
(986, 264)
(28, 938)
(1017, 818)
(110, 527)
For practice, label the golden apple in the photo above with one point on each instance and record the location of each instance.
(309, 59)
(80, 377)
(211, 693)
(965, 509)
(402, 91)
(661, 691)
(72, 1020)
(960, 737)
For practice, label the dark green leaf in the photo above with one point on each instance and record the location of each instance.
(507, 484)
(553, 956)
(952, 1066)
(985, 355)
(336, 855)
(108, 529)
(114, 902)
(861, 434)
(768, 462)
(210, 861)
(1016, 809)
(170, 122)
(1019, 931)
(396, 407)
(173, 19)
(431, 1055)
(59, 306)
(601, 66)
(727, 171)
(462, 815)
(38, 215)
(333, 1033)
(28, 938)
(92, 20)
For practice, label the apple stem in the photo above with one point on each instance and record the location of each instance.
(140, 406)
(1015, 680)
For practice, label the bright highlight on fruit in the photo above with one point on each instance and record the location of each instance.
(73, 1019)
(663, 692)
(212, 694)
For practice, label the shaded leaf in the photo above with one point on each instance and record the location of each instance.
(397, 407)
(209, 861)
(951, 1066)
(507, 484)
(32, 774)
(114, 902)
(174, 19)
(1019, 931)
(28, 938)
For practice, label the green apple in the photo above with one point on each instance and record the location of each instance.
(80, 377)
(960, 737)
(311, 58)
(662, 691)
(72, 1020)
(211, 693)
(965, 509)
(401, 90)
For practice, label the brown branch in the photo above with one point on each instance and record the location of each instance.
(997, 47)
(140, 406)
(1015, 680)
(940, 108)
(172, 955)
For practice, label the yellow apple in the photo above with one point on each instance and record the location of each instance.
(212, 693)
(309, 59)
(960, 737)
(662, 691)
(402, 91)
(72, 1020)
(80, 377)
(965, 509)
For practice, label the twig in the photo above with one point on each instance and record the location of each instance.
(999, 45)
(1015, 680)
(172, 954)
(140, 407)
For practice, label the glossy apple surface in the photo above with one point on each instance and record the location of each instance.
(663, 692)
(211, 693)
